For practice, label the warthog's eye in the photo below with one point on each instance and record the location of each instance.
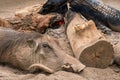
(46, 45)
(43, 46)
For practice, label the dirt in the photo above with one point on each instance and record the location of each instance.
(8, 8)
(113, 3)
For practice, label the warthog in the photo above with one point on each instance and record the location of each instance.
(32, 51)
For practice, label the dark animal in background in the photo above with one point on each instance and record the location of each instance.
(94, 9)
(54, 6)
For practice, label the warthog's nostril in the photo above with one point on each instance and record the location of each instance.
(73, 68)
(67, 67)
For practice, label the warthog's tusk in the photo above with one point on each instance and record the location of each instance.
(42, 67)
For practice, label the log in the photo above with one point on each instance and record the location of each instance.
(88, 43)
(117, 53)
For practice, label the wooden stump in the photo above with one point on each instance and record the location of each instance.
(117, 53)
(89, 44)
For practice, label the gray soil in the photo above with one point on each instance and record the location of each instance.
(8, 8)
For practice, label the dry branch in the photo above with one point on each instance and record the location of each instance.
(31, 22)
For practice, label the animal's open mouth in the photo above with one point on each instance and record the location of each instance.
(57, 24)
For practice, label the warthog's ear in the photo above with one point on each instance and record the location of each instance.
(31, 43)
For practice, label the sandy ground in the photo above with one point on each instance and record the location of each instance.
(113, 3)
(8, 8)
